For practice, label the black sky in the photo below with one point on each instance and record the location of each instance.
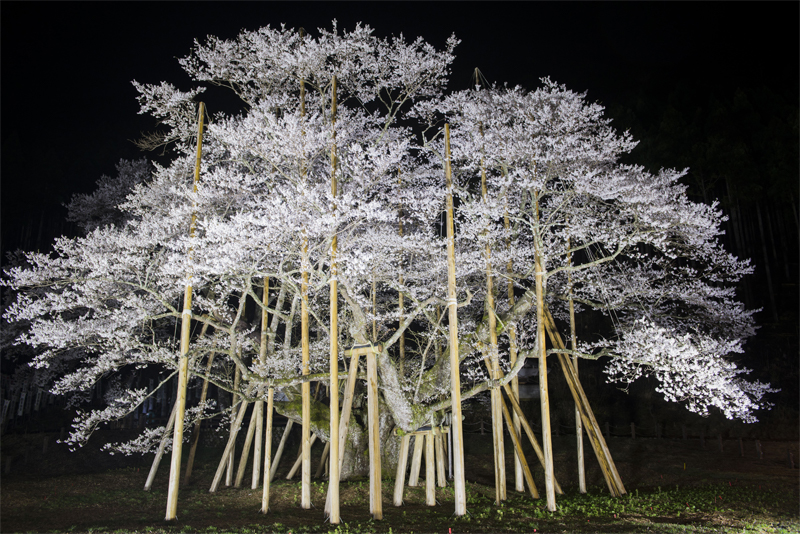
(68, 110)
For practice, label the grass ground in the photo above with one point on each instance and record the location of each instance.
(673, 486)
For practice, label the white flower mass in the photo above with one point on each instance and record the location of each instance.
(637, 249)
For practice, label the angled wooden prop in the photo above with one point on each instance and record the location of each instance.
(599, 445)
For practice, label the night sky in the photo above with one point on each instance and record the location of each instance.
(69, 111)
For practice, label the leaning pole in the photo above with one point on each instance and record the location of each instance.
(183, 364)
(459, 484)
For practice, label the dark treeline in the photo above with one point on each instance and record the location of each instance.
(741, 148)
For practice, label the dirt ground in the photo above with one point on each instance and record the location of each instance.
(54, 490)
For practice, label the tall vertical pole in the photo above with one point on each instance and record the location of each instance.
(494, 365)
(234, 426)
(267, 453)
(183, 364)
(574, 346)
(459, 484)
(305, 476)
(373, 431)
(544, 399)
(258, 411)
(400, 300)
(333, 470)
(519, 483)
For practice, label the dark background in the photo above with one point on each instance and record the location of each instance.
(711, 86)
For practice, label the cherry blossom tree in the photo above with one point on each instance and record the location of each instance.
(611, 238)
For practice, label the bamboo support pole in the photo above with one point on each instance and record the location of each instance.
(344, 421)
(512, 355)
(267, 453)
(325, 452)
(259, 406)
(183, 365)
(599, 445)
(305, 475)
(333, 442)
(286, 430)
(416, 460)
(161, 447)
(402, 464)
(401, 295)
(544, 397)
(529, 432)
(578, 422)
(228, 448)
(198, 425)
(234, 428)
(459, 483)
(300, 458)
(258, 445)
(305, 438)
(430, 470)
(515, 437)
(248, 442)
(441, 477)
(373, 429)
(494, 365)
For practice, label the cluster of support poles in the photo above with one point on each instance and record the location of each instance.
(430, 438)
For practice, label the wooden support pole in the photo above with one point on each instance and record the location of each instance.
(529, 432)
(228, 448)
(333, 442)
(267, 453)
(578, 423)
(259, 406)
(459, 483)
(286, 430)
(441, 477)
(518, 447)
(494, 363)
(544, 396)
(344, 421)
(402, 464)
(373, 430)
(300, 457)
(248, 442)
(602, 453)
(305, 437)
(198, 425)
(305, 431)
(258, 446)
(183, 363)
(161, 447)
(416, 460)
(325, 452)
(519, 484)
(401, 297)
(430, 470)
(234, 428)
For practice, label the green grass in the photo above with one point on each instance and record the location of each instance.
(709, 508)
